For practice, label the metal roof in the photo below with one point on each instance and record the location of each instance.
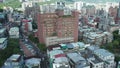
(70, 46)
(75, 57)
(2, 40)
(103, 52)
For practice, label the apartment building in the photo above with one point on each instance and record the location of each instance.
(56, 28)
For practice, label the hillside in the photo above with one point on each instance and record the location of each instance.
(11, 3)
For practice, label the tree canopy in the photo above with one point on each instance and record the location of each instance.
(12, 48)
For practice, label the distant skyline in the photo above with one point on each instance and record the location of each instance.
(98, 1)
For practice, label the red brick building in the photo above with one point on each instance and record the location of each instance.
(113, 11)
(56, 28)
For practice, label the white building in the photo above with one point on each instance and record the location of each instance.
(14, 32)
(15, 61)
(26, 4)
(33, 62)
(78, 5)
(61, 61)
(95, 62)
(3, 43)
(107, 57)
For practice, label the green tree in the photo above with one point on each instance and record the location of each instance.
(33, 39)
(42, 47)
(1, 10)
(116, 44)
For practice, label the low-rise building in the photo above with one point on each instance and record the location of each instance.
(15, 61)
(95, 62)
(14, 32)
(91, 49)
(97, 38)
(58, 59)
(80, 55)
(83, 30)
(33, 63)
(77, 61)
(3, 43)
(107, 57)
(61, 61)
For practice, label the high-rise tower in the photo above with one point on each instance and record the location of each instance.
(118, 13)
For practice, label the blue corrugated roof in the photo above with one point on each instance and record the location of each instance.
(70, 46)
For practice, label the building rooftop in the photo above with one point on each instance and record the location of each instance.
(70, 46)
(55, 52)
(32, 61)
(81, 44)
(61, 60)
(94, 59)
(60, 55)
(2, 40)
(78, 60)
(103, 52)
(92, 48)
(75, 57)
(52, 47)
(14, 29)
(75, 45)
(14, 58)
(2, 30)
(93, 35)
